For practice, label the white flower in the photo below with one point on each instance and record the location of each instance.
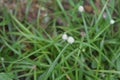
(46, 19)
(70, 40)
(80, 8)
(2, 59)
(64, 37)
(112, 21)
(83, 50)
(104, 15)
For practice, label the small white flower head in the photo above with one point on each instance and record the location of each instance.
(82, 33)
(2, 59)
(70, 40)
(83, 50)
(112, 21)
(104, 15)
(64, 36)
(80, 8)
(46, 19)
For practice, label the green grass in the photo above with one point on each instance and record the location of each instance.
(30, 50)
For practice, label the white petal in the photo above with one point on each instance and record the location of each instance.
(80, 8)
(104, 15)
(64, 37)
(112, 21)
(2, 59)
(70, 40)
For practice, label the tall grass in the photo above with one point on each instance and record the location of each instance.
(30, 50)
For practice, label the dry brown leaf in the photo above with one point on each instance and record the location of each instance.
(89, 8)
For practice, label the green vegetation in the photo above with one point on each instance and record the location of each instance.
(34, 49)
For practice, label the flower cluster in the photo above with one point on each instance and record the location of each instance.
(81, 9)
(69, 39)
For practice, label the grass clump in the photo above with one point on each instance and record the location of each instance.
(32, 48)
